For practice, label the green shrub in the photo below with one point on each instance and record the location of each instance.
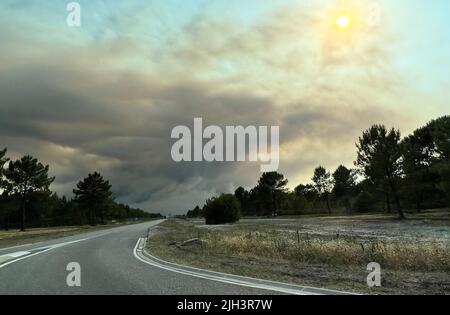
(222, 209)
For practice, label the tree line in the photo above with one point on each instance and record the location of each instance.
(389, 173)
(27, 201)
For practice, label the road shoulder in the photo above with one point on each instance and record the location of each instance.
(142, 253)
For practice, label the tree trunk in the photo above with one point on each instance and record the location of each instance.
(388, 203)
(22, 215)
(399, 208)
(348, 206)
(274, 204)
(397, 201)
(328, 205)
(92, 216)
(419, 202)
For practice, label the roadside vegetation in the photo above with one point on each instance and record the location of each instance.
(390, 175)
(15, 237)
(301, 250)
(325, 233)
(222, 209)
(26, 200)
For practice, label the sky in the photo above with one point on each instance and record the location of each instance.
(105, 96)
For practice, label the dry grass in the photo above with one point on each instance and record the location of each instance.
(15, 237)
(298, 247)
(317, 251)
(11, 234)
(327, 252)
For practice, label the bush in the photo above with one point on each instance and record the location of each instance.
(222, 209)
(364, 202)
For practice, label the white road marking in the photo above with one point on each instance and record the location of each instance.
(24, 257)
(207, 277)
(17, 254)
(12, 256)
(34, 244)
(21, 255)
(18, 246)
(225, 278)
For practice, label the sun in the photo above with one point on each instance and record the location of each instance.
(343, 21)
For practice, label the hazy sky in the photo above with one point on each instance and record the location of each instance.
(105, 96)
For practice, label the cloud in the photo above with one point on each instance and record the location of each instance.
(109, 104)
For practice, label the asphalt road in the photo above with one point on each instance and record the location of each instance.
(108, 266)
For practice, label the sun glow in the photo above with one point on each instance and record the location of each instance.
(343, 21)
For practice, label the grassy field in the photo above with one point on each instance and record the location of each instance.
(15, 237)
(330, 252)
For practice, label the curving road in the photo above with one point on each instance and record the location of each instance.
(108, 266)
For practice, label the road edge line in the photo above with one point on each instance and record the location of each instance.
(229, 278)
(24, 257)
(45, 249)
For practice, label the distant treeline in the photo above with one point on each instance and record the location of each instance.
(390, 174)
(27, 201)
